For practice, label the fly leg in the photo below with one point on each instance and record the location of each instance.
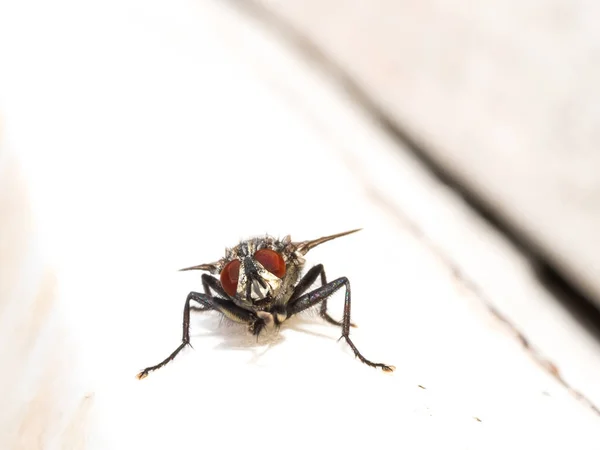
(324, 292)
(307, 281)
(209, 283)
(225, 307)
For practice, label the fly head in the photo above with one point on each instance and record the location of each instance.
(261, 272)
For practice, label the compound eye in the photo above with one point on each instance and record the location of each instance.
(272, 261)
(229, 277)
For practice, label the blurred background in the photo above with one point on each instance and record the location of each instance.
(137, 138)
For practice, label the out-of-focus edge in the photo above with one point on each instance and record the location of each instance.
(41, 405)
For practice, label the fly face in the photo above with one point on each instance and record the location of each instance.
(255, 274)
(258, 273)
(260, 281)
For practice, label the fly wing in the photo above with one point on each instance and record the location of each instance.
(211, 267)
(305, 246)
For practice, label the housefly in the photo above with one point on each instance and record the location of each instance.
(260, 284)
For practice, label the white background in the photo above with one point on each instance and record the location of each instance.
(150, 135)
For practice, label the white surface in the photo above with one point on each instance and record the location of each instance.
(504, 94)
(486, 261)
(153, 135)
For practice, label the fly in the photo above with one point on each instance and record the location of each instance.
(260, 285)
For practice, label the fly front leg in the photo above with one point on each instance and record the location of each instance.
(323, 293)
(207, 302)
(210, 284)
(306, 282)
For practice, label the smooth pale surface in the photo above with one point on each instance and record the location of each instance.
(504, 94)
(444, 223)
(144, 132)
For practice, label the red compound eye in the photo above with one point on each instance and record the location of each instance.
(229, 277)
(272, 261)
